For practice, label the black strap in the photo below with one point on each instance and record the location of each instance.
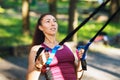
(113, 15)
(84, 22)
(74, 31)
(38, 52)
(83, 61)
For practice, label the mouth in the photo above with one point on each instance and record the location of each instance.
(53, 29)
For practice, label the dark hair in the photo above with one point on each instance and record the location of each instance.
(39, 36)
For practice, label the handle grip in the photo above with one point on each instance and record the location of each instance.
(83, 59)
(84, 64)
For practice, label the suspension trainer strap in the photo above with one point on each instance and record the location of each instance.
(38, 52)
(83, 61)
(74, 31)
(105, 24)
(54, 50)
(83, 23)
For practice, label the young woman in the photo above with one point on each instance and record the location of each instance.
(65, 63)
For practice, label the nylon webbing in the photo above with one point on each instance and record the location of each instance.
(54, 50)
(105, 25)
(83, 62)
(83, 23)
(38, 53)
(75, 30)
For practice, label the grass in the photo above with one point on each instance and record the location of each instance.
(91, 28)
(11, 31)
(11, 26)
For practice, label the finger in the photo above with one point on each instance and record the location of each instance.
(81, 53)
(39, 60)
(38, 66)
(47, 55)
(43, 57)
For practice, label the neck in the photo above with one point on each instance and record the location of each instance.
(50, 41)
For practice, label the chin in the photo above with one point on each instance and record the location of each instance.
(52, 34)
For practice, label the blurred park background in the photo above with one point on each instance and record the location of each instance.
(18, 19)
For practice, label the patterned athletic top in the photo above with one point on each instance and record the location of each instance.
(62, 66)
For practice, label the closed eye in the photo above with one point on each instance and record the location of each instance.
(55, 20)
(47, 21)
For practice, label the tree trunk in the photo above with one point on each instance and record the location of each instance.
(25, 17)
(52, 7)
(115, 4)
(32, 2)
(73, 18)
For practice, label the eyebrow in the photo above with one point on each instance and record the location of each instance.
(50, 19)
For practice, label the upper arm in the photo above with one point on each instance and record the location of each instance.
(32, 73)
(31, 60)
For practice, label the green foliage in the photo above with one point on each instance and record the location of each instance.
(42, 7)
(62, 30)
(15, 4)
(11, 31)
(90, 29)
(62, 7)
(11, 24)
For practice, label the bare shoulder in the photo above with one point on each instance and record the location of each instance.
(34, 49)
(32, 54)
(68, 44)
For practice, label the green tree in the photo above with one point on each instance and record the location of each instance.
(33, 2)
(53, 6)
(114, 5)
(73, 17)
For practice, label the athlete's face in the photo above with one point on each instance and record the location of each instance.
(49, 25)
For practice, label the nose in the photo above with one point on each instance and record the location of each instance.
(53, 22)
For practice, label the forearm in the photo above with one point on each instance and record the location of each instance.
(79, 70)
(34, 75)
(79, 66)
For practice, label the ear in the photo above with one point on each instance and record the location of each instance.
(40, 27)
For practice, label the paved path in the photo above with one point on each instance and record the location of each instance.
(103, 64)
(13, 68)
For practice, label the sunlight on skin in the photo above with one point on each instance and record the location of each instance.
(37, 73)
